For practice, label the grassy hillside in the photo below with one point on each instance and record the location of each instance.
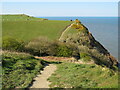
(21, 28)
(19, 17)
(90, 49)
(72, 75)
(19, 69)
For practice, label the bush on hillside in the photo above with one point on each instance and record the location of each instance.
(96, 56)
(100, 58)
(64, 51)
(43, 47)
(74, 49)
(85, 57)
(12, 44)
(38, 46)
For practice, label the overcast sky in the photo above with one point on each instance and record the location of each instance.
(61, 8)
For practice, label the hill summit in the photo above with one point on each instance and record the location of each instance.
(90, 49)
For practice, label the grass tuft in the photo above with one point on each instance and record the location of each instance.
(69, 75)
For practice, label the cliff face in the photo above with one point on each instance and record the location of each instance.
(79, 35)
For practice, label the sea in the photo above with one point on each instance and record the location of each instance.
(104, 29)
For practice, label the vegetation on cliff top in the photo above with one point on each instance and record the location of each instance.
(87, 44)
(18, 27)
(20, 68)
(19, 17)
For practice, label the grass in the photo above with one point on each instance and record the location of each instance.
(85, 57)
(29, 29)
(70, 75)
(19, 69)
(73, 32)
(19, 17)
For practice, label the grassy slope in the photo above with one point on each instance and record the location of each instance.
(71, 75)
(71, 31)
(29, 29)
(19, 17)
(19, 69)
(67, 74)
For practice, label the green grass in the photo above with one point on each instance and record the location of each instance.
(71, 75)
(19, 17)
(73, 32)
(19, 69)
(29, 29)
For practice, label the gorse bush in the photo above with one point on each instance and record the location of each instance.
(67, 50)
(64, 51)
(39, 46)
(44, 47)
(95, 55)
(85, 57)
(12, 44)
(87, 44)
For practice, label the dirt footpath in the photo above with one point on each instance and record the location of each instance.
(41, 80)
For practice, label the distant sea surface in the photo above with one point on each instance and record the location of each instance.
(104, 29)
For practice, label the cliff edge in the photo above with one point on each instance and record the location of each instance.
(89, 48)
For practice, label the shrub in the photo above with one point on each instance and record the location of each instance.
(12, 44)
(39, 46)
(75, 50)
(52, 50)
(42, 46)
(64, 51)
(85, 57)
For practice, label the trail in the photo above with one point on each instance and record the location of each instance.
(41, 80)
(64, 32)
(64, 59)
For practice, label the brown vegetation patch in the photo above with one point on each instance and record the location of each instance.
(63, 59)
(52, 58)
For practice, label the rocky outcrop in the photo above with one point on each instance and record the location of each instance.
(79, 35)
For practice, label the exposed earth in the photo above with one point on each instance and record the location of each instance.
(41, 79)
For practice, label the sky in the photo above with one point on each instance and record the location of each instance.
(35, 8)
(60, 0)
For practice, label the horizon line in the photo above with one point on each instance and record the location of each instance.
(58, 16)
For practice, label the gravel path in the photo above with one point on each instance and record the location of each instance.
(64, 32)
(41, 80)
